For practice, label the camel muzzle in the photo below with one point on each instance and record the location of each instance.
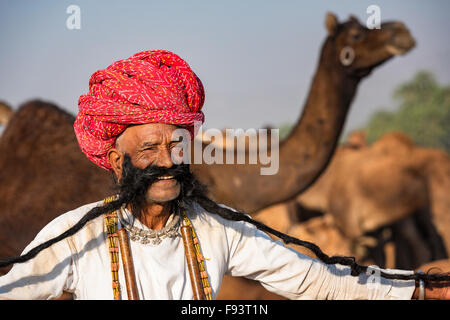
(401, 40)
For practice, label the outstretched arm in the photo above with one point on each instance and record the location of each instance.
(282, 270)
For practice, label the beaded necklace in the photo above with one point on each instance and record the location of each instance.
(111, 222)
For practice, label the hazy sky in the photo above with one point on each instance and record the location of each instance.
(255, 58)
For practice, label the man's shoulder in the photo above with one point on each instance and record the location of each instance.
(76, 214)
(212, 219)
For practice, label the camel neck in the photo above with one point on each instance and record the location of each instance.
(313, 140)
(326, 107)
(305, 153)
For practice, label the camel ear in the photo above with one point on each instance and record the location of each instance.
(331, 23)
(353, 18)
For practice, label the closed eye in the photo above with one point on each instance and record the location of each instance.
(147, 148)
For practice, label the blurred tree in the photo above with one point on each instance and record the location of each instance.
(423, 114)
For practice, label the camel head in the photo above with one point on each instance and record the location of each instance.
(356, 140)
(359, 49)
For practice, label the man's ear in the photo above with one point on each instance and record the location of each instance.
(115, 158)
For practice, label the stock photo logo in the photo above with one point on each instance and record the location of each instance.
(73, 21)
(252, 147)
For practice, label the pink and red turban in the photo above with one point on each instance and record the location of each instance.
(149, 87)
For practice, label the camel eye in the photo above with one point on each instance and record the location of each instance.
(356, 35)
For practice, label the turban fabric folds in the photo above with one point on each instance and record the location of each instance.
(149, 87)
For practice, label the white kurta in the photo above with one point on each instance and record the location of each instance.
(81, 264)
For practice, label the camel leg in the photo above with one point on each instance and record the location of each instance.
(377, 252)
(434, 240)
(299, 213)
(389, 253)
(411, 249)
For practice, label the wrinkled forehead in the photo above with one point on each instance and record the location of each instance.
(146, 134)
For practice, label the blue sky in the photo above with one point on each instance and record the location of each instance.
(255, 58)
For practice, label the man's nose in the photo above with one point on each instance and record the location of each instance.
(164, 158)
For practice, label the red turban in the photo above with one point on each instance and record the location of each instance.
(149, 87)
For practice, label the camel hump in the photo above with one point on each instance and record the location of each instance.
(38, 123)
(44, 109)
(395, 141)
(39, 115)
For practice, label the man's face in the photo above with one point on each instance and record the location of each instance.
(148, 144)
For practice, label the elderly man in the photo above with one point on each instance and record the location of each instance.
(126, 124)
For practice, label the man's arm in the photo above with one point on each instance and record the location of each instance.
(254, 255)
(434, 292)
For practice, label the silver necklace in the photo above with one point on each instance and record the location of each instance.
(153, 237)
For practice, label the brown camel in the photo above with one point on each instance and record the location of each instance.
(390, 187)
(392, 183)
(349, 53)
(48, 175)
(43, 174)
(397, 184)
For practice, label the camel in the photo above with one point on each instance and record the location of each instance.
(285, 186)
(349, 53)
(47, 174)
(44, 174)
(398, 233)
(391, 184)
(403, 238)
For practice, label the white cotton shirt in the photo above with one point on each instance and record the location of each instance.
(81, 265)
